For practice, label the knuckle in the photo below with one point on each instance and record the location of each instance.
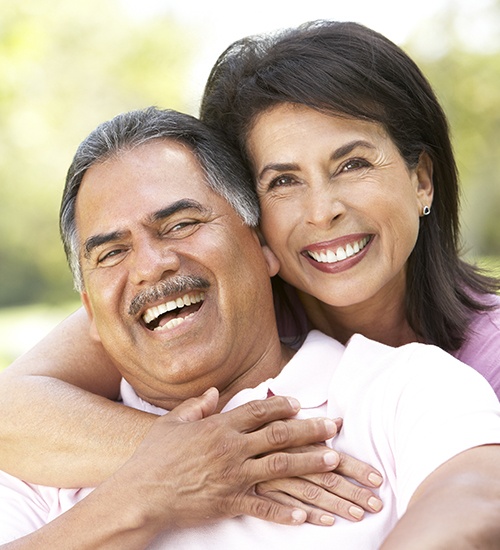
(278, 433)
(264, 509)
(263, 488)
(224, 446)
(331, 481)
(350, 466)
(278, 464)
(311, 492)
(258, 409)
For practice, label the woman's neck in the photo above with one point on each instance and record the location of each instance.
(380, 320)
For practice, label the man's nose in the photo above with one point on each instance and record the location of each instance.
(151, 260)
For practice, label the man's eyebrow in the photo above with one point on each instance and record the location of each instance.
(178, 206)
(183, 204)
(342, 151)
(98, 240)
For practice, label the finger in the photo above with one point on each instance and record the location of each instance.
(291, 433)
(282, 465)
(360, 471)
(332, 492)
(269, 510)
(255, 414)
(272, 490)
(195, 408)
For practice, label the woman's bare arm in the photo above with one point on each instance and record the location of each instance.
(67, 376)
(457, 506)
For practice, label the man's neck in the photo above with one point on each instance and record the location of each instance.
(267, 366)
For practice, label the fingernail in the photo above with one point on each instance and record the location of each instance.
(293, 402)
(375, 504)
(299, 516)
(327, 520)
(338, 422)
(376, 479)
(330, 425)
(356, 512)
(331, 458)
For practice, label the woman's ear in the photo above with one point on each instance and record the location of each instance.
(94, 334)
(425, 184)
(273, 264)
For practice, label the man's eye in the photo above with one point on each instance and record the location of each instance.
(181, 229)
(110, 256)
(180, 226)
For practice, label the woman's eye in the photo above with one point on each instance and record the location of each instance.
(281, 181)
(354, 164)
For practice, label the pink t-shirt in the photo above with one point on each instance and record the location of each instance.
(481, 350)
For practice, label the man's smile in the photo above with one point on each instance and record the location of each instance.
(173, 312)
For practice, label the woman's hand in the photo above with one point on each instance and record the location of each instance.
(345, 491)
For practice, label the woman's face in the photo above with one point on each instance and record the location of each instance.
(340, 208)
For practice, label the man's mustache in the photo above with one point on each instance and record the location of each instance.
(165, 288)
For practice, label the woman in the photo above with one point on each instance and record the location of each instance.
(351, 157)
(330, 116)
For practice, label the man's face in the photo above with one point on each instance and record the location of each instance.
(176, 285)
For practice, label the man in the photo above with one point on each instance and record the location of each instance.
(177, 287)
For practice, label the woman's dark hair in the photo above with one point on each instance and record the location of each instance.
(346, 69)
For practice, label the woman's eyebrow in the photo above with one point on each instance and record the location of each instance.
(347, 148)
(339, 153)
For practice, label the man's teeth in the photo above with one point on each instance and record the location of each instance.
(330, 257)
(154, 312)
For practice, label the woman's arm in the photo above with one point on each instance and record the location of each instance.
(457, 506)
(67, 376)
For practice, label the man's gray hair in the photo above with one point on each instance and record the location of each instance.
(224, 171)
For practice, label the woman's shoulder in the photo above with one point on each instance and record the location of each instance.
(481, 348)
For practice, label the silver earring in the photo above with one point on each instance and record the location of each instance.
(426, 211)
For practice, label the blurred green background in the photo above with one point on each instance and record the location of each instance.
(67, 66)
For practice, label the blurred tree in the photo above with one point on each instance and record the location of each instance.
(67, 66)
(460, 53)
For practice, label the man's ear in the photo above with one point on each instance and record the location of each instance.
(94, 334)
(425, 184)
(273, 264)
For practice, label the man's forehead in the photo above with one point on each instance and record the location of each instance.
(140, 182)
(158, 167)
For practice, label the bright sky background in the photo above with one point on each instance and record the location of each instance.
(220, 22)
